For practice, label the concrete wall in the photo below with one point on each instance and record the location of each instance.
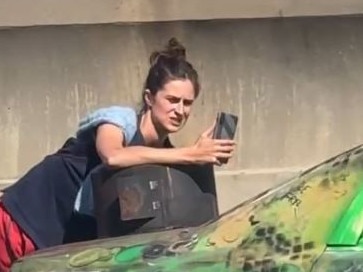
(54, 12)
(295, 84)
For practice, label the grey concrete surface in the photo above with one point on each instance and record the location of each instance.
(235, 188)
(295, 84)
(54, 12)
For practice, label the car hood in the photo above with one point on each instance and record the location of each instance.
(286, 227)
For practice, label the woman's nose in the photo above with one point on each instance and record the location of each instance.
(179, 109)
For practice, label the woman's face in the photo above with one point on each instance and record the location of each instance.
(171, 106)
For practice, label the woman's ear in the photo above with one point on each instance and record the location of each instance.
(148, 98)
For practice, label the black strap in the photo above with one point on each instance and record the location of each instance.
(138, 138)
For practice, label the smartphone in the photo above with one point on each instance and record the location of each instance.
(225, 128)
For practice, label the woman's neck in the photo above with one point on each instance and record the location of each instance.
(151, 134)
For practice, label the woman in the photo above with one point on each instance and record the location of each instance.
(35, 210)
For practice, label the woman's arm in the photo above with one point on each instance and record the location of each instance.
(112, 151)
(110, 147)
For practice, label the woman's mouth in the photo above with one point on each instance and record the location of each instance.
(176, 121)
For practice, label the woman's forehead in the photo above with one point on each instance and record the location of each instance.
(182, 88)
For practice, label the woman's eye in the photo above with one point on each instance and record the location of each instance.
(174, 100)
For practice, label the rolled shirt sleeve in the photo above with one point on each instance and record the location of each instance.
(123, 117)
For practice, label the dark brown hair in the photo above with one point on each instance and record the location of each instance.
(170, 64)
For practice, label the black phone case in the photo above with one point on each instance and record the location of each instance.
(225, 128)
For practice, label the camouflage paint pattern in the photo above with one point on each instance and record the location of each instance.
(286, 229)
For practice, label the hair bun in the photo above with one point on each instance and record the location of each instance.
(173, 50)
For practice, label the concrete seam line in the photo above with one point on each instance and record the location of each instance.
(258, 171)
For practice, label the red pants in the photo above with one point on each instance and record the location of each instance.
(14, 243)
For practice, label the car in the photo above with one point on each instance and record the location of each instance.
(311, 222)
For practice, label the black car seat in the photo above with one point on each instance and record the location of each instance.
(152, 198)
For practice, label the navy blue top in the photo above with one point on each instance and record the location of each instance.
(42, 201)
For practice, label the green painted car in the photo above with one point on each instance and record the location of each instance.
(312, 222)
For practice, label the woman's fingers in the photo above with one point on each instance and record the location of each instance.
(224, 155)
(224, 142)
(224, 145)
(217, 162)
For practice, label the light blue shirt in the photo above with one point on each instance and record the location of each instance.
(123, 117)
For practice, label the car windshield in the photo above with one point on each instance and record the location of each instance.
(286, 226)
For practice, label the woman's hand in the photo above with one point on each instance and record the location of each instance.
(209, 150)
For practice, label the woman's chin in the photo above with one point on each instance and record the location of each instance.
(172, 128)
